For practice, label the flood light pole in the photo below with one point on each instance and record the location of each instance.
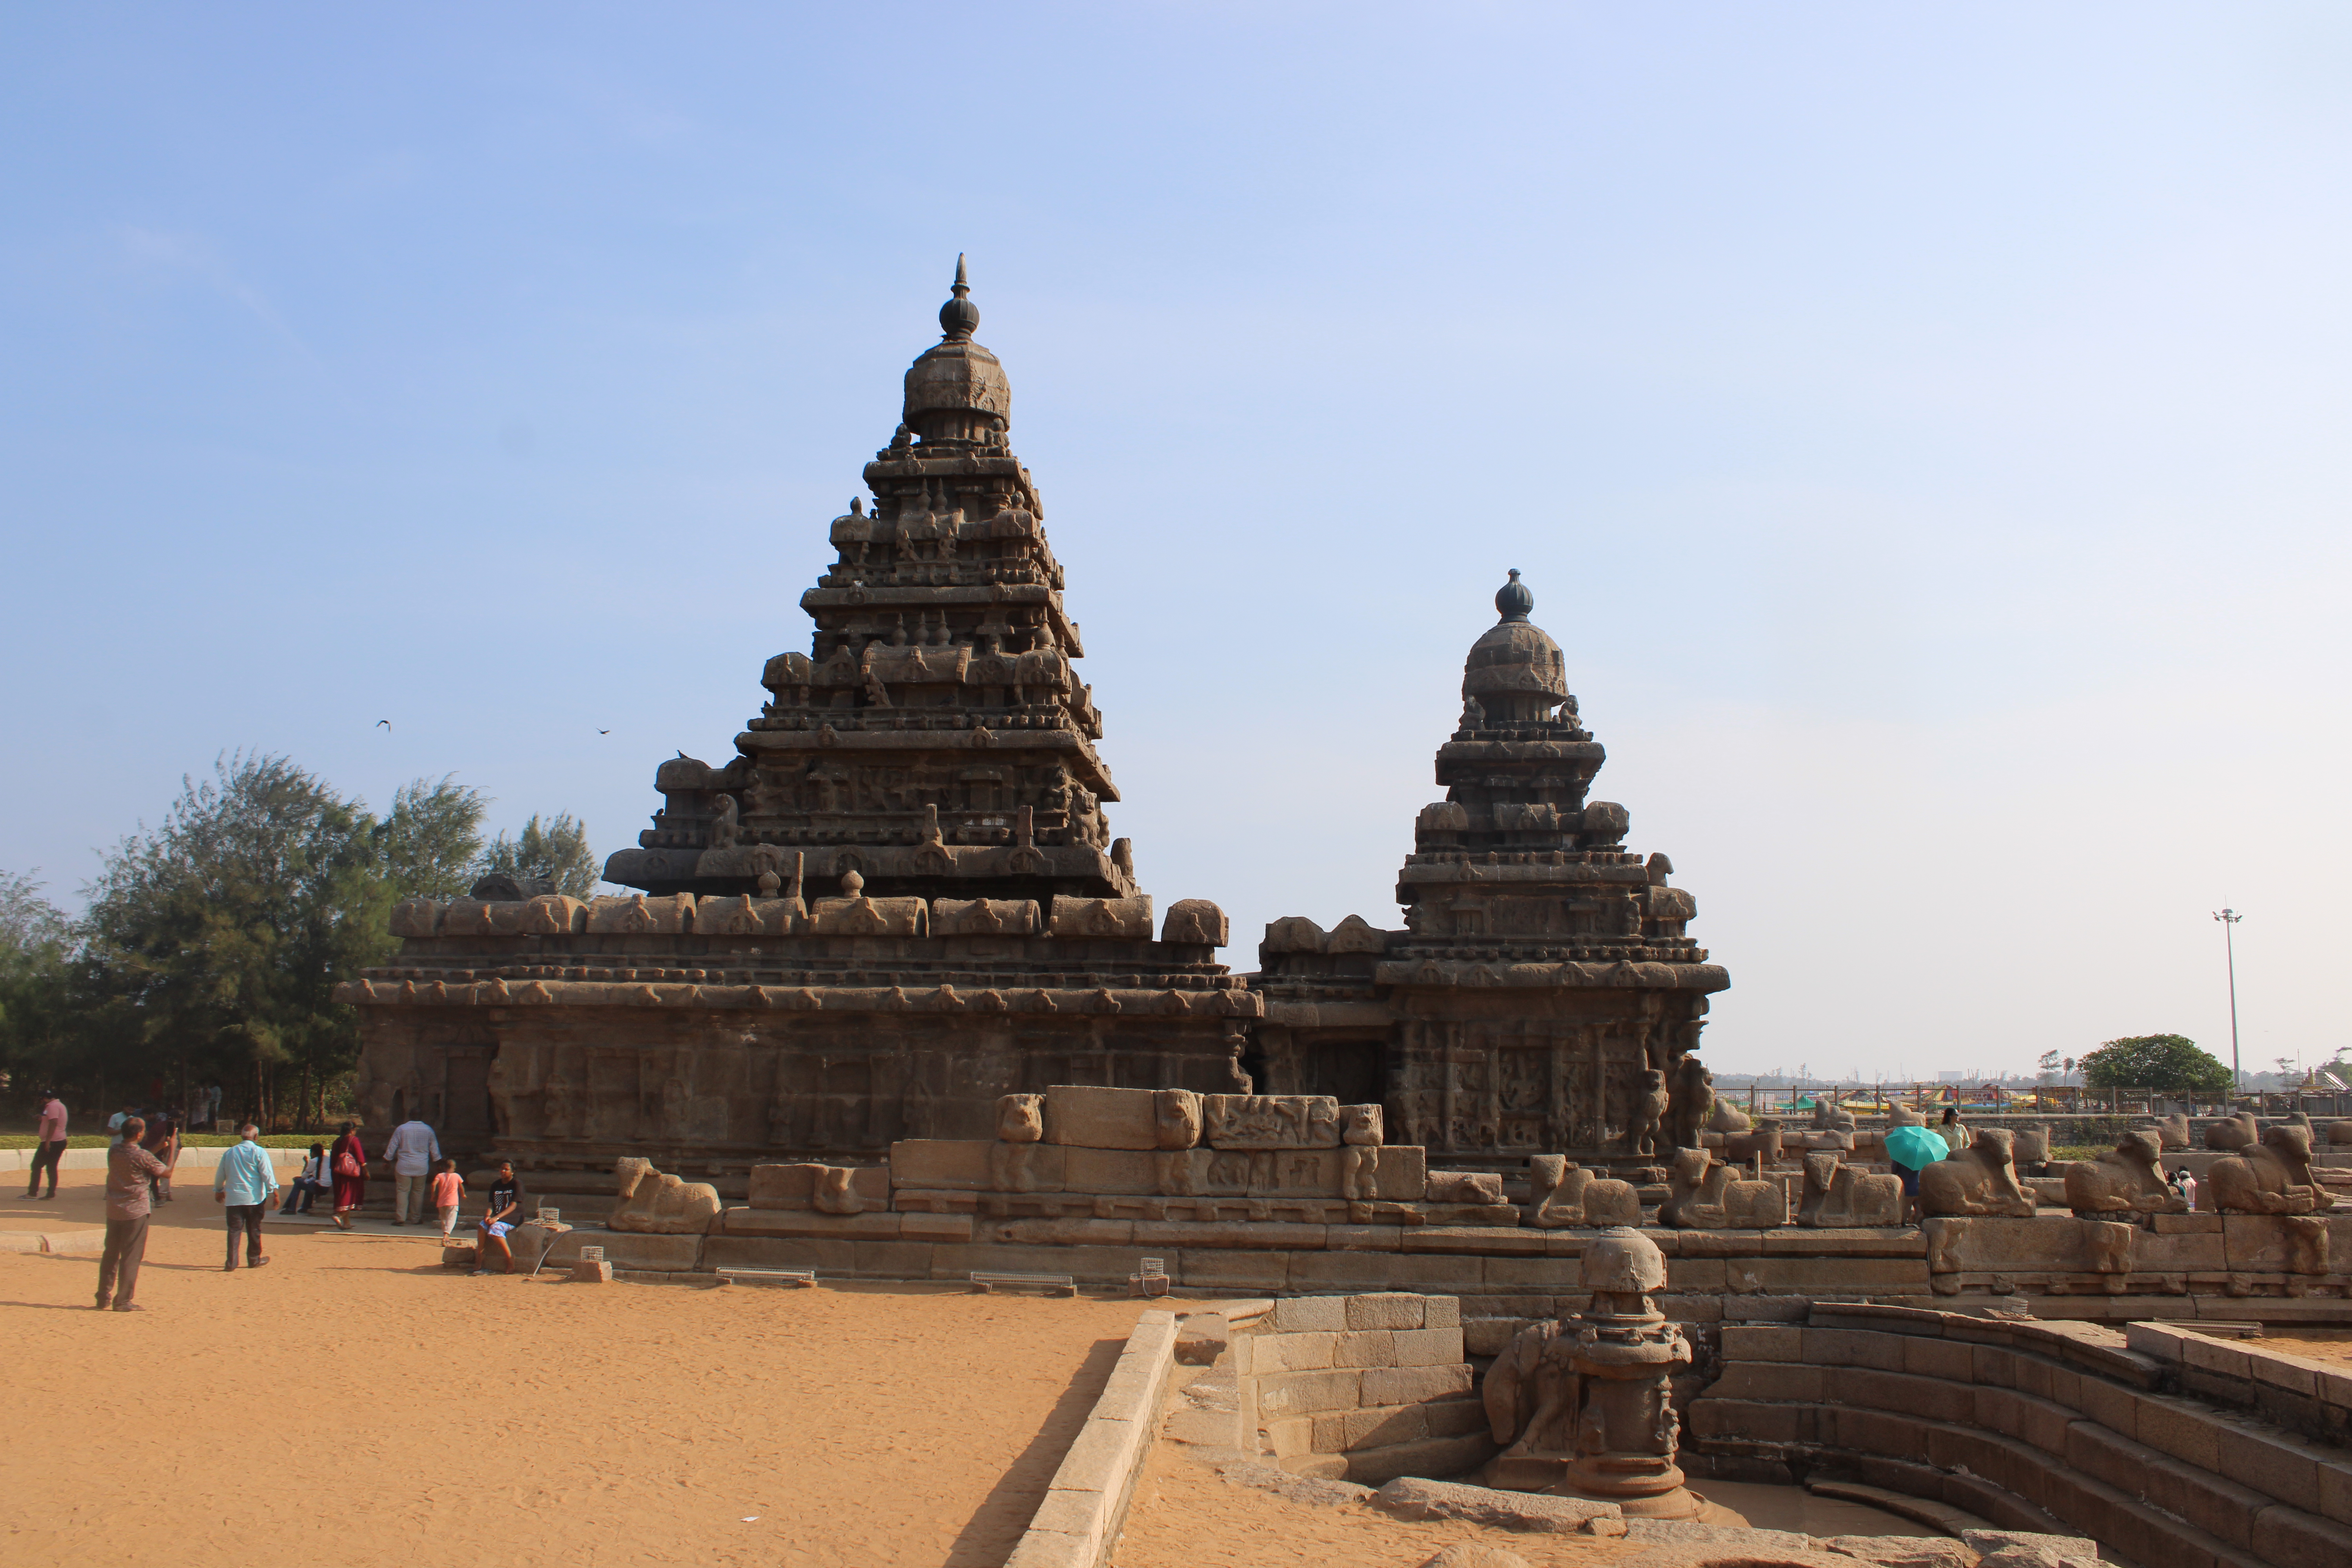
(2229, 918)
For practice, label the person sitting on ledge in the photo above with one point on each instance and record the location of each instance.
(313, 1181)
(499, 1218)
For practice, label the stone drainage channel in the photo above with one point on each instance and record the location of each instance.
(1237, 1413)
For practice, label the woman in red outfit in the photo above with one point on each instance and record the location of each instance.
(348, 1161)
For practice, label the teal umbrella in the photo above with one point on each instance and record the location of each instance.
(1915, 1148)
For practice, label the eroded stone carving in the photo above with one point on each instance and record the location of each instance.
(652, 1201)
(2272, 1176)
(1585, 1405)
(2239, 1132)
(1838, 1194)
(1645, 1126)
(1701, 1196)
(1562, 1193)
(1980, 1180)
(1272, 1122)
(2127, 1181)
(1195, 921)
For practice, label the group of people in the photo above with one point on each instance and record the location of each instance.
(144, 1148)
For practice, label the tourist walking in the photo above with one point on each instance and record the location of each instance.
(312, 1180)
(348, 1161)
(412, 1151)
(245, 1182)
(128, 1169)
(52, 1135)
(499, 1218)
(449, 1196)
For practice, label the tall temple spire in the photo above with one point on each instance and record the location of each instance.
(935, 739)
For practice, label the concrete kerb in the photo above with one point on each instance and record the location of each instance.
(1085, 1506)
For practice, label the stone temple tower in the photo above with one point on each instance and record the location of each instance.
(898, 902)
(935, 739)
(1543, 995)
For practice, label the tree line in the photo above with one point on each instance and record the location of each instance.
(210, 946)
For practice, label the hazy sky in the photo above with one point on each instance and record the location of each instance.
(1923, 427)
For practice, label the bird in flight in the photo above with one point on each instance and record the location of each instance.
(604, 732)
(383, 723)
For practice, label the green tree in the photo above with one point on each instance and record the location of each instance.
(226, 930)
(2171, 1063)
(558, 851)
(37, 955)
(431, 844)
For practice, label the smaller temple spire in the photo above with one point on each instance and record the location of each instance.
(1514, 600)
(960, 318)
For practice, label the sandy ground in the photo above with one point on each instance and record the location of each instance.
(2318, 1344)
(1187, 1516)
(356, 1403)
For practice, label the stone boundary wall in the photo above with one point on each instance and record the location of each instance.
(2059, 1428)
(1077, 1523)
(2311, 1397)
(1455, 1261)
(1362, 1388)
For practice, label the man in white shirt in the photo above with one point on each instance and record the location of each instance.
(413, 1150)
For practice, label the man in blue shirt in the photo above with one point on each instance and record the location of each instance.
(245, 1181)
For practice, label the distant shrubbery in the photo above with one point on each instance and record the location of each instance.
(212, 945)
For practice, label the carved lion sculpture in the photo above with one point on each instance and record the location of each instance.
(651, 1201)
(1836, 1195)
(2272, 1176)
(2127, 1181)
(1646, 1128)
(1980, 1180)
(1688, 1105)
(2239, 1132)
(1701, 1196)
(1514, 1387)
(1562, 1194)
(1176, 1118)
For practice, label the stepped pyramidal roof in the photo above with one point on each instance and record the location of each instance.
(935, 739)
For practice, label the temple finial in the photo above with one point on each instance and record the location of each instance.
(960, 318)
(1514, 601)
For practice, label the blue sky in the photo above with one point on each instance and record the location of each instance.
(1923, 428)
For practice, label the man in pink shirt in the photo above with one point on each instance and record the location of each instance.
(53, 1143)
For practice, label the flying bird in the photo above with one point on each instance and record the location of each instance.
(383, 723)
(604, 732)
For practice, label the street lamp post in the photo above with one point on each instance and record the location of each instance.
(2229, 918)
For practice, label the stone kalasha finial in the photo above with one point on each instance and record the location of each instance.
(1513, 599)
(960, 318)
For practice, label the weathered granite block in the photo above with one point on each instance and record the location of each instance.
(960, 1163)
